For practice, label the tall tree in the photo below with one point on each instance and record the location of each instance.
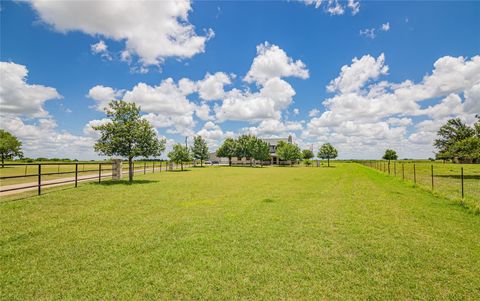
(327, 151)
(244, 147)
(288, 152)
(390, 154)
(453, 131)
(200, 149)
(180, 154)
(227, 150)
(127, 134)
(261, 151)
(307, 154)
(10, 146)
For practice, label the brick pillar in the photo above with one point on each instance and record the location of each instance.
(117, 169)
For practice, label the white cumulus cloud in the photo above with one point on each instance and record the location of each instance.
(272, 61)
(151, 30)
(19, 97)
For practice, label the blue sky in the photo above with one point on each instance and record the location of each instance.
(416, 66)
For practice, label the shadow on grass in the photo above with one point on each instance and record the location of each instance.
(30, 194)
(458, 177)
(179, 170)
(124, 182)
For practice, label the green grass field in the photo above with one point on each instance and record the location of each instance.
(446, 179)
(220, 233)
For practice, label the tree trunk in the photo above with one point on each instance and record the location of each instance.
(130, 169)
(181, 164)
(328, 160)
(3, 161)
(201, 163)
(229, 161)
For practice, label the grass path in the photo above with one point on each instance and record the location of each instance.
(241, 233)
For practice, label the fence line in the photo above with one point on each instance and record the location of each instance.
(448, 179)
(94, 171)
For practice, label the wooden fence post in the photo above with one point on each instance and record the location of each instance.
(144, 167)
(403, 171)
(99, 172)
(395, 168)
(39, 179)
(76, 174)
(414, 174)
(462, 184)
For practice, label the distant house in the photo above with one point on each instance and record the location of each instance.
(272, 142)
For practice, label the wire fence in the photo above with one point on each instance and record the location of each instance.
(454, 181)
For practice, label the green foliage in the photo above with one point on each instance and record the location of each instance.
(127, 134)
(200, 149)
(261, 150)
(307, 162)
(10, 146)
(244, 146)
(390, 154)
(467, 149)
(288, 152)
(454, 131)
(327, 151)
(307, 154)
(180, 154)
(227, 149)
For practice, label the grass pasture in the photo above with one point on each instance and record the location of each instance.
(446, 179)
(216, 233)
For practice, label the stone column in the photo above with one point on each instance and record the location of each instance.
(117, 169)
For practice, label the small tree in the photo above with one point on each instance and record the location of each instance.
(227, 150)
(288, 152)
(390, 154)
(10, 146)
(327, 151)
(307, 154)
(261, 151)
(200, 149)
(180, 154)
(127, 134)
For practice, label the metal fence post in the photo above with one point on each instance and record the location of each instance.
(388, 167)
(414, 174)
(39, 179)
(432, 177)
(76, 174)
(99, 172)
(462, 184)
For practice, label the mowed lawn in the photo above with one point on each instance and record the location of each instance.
(221, 233)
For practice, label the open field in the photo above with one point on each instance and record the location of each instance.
(241, 233)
